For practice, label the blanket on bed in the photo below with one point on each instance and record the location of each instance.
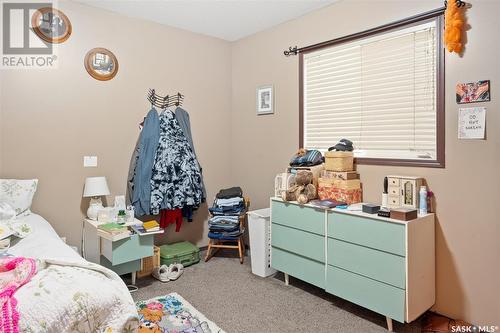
(14, 273)
(75, 296)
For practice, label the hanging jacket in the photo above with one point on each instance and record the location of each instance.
(176, 176)
(131, 174)
(148, 144)
(182, 117)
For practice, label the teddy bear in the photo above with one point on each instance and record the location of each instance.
(303, 191)
(301, 152)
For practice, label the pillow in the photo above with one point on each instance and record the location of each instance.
(6, 211)
(18, 193)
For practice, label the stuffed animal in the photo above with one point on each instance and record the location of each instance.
(303, 191)
(454, 22)
(149, 327)
(152, 315)
(301, 152)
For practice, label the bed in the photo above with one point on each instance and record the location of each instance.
(68, 293)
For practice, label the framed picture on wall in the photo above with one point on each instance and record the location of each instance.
(265, 100)
(473, 92)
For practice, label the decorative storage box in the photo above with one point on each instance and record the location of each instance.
(404, 214)
(370, 208)
(350, 184)
(344, 175)
(339, 161)
(403, 191)
(329, 191)
(183, 253)
(149, 263)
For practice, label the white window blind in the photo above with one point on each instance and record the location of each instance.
(379, 92)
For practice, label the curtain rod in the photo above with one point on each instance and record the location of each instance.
(427, 15)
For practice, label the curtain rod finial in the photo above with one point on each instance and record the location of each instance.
(291, 51)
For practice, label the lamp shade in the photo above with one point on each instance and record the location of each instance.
(95, 187)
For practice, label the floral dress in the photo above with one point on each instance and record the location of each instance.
(176, 179)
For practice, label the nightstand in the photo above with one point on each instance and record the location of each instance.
(120, 253)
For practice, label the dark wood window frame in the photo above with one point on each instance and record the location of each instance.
(435, 15)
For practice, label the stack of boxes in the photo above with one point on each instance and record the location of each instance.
(339, 181)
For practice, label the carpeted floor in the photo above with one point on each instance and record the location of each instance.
(227, 293)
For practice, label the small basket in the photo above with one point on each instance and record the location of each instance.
(339, 161)
(149, 263)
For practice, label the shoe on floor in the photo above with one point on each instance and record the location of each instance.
(162, 273)
(175, 270)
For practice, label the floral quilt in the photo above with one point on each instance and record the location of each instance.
(76, 297)
(172, 314)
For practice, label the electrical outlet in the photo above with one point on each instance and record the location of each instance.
(89, 161)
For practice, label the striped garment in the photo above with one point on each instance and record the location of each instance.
(312, 157)
(224, 218)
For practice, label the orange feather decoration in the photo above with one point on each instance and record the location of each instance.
(454, 22)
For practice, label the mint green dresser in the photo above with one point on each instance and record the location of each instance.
(379, 263)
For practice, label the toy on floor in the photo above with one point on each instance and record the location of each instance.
(303, 191)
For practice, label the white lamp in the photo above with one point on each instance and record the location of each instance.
(95, 187)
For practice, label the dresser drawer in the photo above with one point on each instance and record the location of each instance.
(299, 242)
(393, 181)
(378, 265)
(376, 296)
(128, 249)
(394, 201)
(299, 217)
(376, 234)
(394, 191)
(302, 268)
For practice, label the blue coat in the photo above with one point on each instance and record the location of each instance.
(148, 143)
(182, 117)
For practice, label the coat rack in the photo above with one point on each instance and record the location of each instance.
(163, 102)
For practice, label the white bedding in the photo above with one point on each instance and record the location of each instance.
(69, 294)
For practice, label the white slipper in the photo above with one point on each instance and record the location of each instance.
(175, 270)
(162, 273)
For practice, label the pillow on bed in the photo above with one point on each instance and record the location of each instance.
(6, 211)
(18, 193)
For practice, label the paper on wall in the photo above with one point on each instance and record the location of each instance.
(472, 123)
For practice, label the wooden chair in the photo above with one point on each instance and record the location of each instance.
(217, 244)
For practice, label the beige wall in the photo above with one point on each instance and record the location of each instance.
(467, 190)
(52, 118)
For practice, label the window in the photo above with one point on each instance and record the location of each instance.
(382, 91)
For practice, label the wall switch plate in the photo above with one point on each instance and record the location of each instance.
(89, 161)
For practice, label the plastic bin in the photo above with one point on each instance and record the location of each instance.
(259, 231)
